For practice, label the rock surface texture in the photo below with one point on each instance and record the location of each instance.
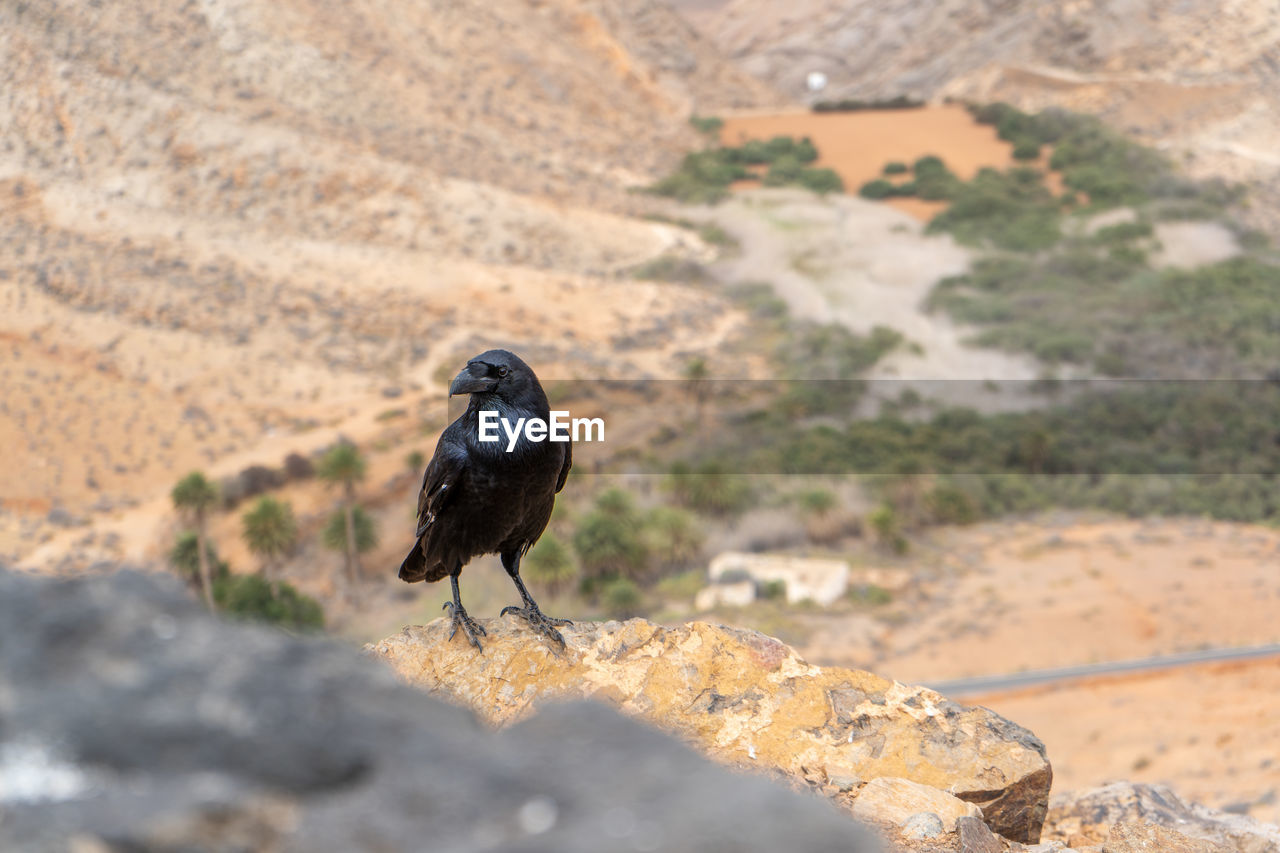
(1088, 818)
(749, 701)
(131, 720)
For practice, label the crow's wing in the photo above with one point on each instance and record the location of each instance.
(564, 468)
(440, 482)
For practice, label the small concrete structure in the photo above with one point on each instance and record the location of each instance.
(738, 594)
(820, 581)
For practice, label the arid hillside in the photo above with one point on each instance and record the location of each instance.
(1201, 79)
(236, 223)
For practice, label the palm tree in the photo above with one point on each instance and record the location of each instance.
(696, 374)
(270, 529)
(193, 496)
(343, 465)
(334, 535)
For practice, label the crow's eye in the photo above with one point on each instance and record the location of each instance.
(502, 371)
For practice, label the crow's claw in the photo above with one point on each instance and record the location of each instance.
(458, 616)
(539, 621)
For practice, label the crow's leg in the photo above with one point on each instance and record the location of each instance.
(538, 621)
(458, 615)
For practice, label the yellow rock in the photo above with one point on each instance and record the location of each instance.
(896, 800)
(747, 700)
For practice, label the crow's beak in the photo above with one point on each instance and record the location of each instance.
(467, 382)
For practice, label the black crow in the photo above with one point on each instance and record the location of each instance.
(480, 497)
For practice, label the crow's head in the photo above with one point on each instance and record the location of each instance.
(499, 373)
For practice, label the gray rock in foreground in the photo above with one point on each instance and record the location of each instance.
(130, 717)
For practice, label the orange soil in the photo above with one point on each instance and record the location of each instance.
(858, 144)
(1019, 596)
(1211, 732)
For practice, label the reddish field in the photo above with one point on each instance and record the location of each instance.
(858, 144)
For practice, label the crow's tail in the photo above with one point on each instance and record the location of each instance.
(414, 567)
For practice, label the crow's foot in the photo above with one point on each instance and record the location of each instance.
(539, 621)
(458, 616)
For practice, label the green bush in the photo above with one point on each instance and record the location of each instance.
(949, 504)
(550, 563)
(1011, 210)
(876, 189)
(816, 502)
(704, 176)
(933, 180)
(871, 595)
(1026, 149)
(254, 598)
(895, 167)
(709, 487)
(621, 598)
(608, 539)
(773, 590)
(898, 102)
(786, 169)
(709, 125)
(884, 521)
(821, 181)
(673, 536)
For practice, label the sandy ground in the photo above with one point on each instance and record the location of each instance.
(864, 264)
(1210, 732)
(1004, 598)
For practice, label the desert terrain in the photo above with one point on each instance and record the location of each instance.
(1054, 592)
(292, 224)
(1197, 80)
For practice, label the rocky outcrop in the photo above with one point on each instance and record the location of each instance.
(897, 801)
(1089, 818)
(132, 720)
(1149, 838)
(749, 701)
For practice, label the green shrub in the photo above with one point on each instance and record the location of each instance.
(672, 536)
(786, 169)
(761, 299)
(775, 590)
(254, 598)
(895, 167)
(871, 595)
(876, 189)
(550, 563)
(709, 487)
(883, 520)
(708, 125)
(821, 181)
(933, 180)
(816, 502)
(948, 504)
(608, 539)
(897, 102)
(1026, 149)
(672, 268)
(1011, 210)
(621, 598)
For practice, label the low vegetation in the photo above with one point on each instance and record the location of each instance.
(849, 105)
(704, 176)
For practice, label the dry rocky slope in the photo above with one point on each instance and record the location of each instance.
(748, 700)
(232, 220)
(930, 774)
(1200, 78)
